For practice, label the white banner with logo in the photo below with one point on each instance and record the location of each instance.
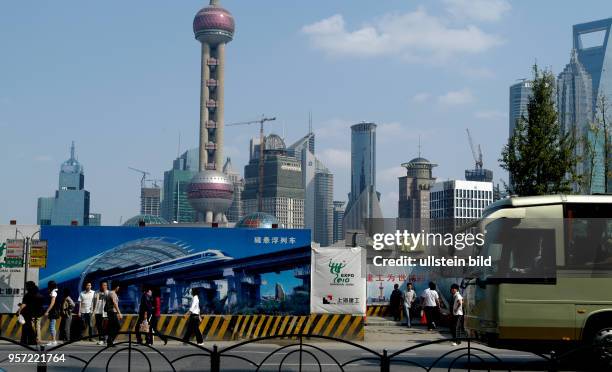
(13, 240)
(337, 283)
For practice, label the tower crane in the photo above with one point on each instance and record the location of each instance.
(477, 157)
(144, 176)
(261, 122)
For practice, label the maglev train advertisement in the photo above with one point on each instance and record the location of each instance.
(236, 270)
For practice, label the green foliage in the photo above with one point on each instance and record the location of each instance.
(539, 158)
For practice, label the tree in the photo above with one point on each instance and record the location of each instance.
(538, 156)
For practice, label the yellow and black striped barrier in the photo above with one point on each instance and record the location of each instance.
(378, 310)
(230, 327)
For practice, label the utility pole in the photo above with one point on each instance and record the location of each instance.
(261, 155)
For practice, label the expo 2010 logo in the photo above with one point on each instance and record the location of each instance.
(340, 278)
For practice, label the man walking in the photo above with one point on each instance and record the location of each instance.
(456, 327)
(409, 298)
(98, 308)
(431, 305)
(85, 309)
(395, 303)
(114, 314)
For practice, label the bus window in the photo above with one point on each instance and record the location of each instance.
(588, 232)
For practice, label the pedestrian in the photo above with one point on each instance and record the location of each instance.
(31, 309)
(157, 316)
(66, 315)
(100, 314)
(409, 298)
(52, 311)
(114, 314)
(85, 309)
(193, 319)
(145, 310)
(431, 305)
(457, 322)
(395, 303)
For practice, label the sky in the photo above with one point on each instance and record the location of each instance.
(121, 79)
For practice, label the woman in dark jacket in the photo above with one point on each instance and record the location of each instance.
(31, 308)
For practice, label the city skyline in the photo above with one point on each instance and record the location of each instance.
(125, 96)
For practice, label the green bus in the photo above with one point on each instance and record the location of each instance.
(550, 281)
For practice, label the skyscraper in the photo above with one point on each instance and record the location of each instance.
(592, 43)
(338, 217)
(174, 205)
(211, 192)
(519, 98)
(575, 108)
(364, 200)
(414, 189)
(318, 184)
(283, 193)
(71, 200)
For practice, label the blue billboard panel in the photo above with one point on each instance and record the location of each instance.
(236, 270)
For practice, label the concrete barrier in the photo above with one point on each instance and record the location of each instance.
(230, 327)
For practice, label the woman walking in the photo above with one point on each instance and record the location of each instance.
(193, 321)
(157, 316)
(52, 312)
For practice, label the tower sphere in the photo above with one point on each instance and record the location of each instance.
(213, 25)
(210, 191)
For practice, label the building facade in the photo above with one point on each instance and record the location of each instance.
(414, 199)
(338, 217)
(71, 202)
(234, 213)
(318, 184)
(454, 203)
(150, 201)
(520, 93)
(576, 114)
(175, 206)
(283, 193)
(363, 199)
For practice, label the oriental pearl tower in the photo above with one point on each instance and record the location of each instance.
(210, 191)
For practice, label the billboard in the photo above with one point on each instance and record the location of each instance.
(236, 270)
(337, 281)
(12, 271)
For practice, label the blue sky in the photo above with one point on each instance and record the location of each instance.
(121, 79)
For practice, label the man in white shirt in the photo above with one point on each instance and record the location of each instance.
(85, 308)
(193, 319)
(457, 323)
(431, 305)
(409, 298)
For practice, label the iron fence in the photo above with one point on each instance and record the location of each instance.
(299, 351)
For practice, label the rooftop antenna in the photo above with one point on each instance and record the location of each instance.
(419, 145)
(72, 150)
(178, 149)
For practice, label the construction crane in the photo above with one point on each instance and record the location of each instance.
(477, 157)
(261, 154)
(144, 176)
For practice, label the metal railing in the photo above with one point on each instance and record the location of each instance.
(299, 351)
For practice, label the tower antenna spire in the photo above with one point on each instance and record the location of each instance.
(72, 150)
(419, 145)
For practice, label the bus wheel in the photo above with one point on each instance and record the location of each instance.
(602, 344)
